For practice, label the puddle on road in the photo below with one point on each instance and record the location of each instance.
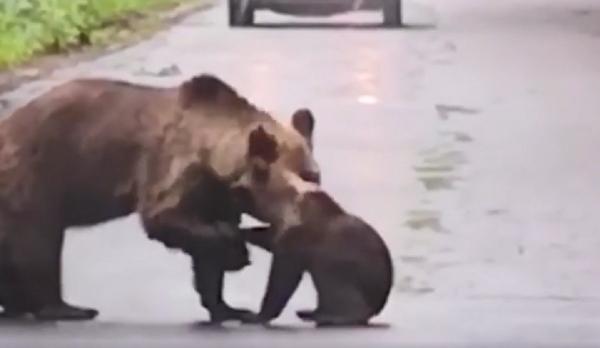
(408, 284)
(412, 259)
(436, 183)
(440, 169)
(434, 169)
(162, 71)
(445, 111)
(445, 157)
(496, 212)
(425, 219)
(458, 136)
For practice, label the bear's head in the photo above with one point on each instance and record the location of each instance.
(275, 179)
(239, 141)
(289, 149)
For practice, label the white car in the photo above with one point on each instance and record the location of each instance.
(241, 12)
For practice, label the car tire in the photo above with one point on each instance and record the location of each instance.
(392, 13)
(241, 13)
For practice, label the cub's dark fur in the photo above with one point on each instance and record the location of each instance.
(348, 261)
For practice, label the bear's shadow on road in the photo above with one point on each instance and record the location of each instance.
(101, 329)
(211, 327)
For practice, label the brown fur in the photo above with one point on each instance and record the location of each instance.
(349, 263)
(92, 150)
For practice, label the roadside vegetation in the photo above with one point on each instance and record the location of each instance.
(32, 27)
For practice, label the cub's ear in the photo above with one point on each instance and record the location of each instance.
(206, 88)
(262, 146)
(304, 122)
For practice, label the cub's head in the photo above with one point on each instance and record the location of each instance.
(280, 166)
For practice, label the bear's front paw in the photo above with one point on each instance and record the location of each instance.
(258, 319)
(226, 313)
(64, 311)
(10, 314)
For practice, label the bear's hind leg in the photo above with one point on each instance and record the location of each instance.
(12, 299)
(35, 255)
(340, 300)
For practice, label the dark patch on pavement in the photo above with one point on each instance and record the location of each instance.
(582, 12)
(434, 169)
(495, 212)
(458, 136)
(422, 219)
(435, 183)
(412, 259)
(453, 157)
(171, 70)
(445, 111)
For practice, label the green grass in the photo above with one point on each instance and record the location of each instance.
(32, 27)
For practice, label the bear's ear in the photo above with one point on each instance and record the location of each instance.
(262, 146)
(304, 122)
(206, 88)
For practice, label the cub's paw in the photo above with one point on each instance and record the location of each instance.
(307, 314)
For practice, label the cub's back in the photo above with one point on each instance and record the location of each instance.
(353, 240)
(333, 243)
(354, 247)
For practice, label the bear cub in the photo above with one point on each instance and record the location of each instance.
(348, 261)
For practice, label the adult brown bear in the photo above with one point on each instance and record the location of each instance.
(92, 150)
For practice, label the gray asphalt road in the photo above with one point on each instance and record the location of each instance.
(468, 140)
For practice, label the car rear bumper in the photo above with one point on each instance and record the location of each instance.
(316, 7)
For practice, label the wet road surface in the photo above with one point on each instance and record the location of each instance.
(469, 141)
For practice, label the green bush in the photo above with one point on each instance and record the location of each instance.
(30, 27)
